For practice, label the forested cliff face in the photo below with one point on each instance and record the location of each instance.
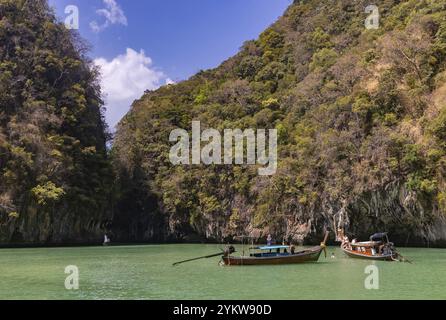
(361, 117)
(55, 179)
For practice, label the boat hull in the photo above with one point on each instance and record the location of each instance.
(358, 255)
(310, 255)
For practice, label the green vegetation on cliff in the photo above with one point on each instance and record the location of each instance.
(54, 174)
(361, 116)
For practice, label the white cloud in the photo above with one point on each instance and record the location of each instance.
(112, 13)
(124, 79)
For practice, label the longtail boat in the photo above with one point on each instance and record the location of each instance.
(267, 255)
(378, 248)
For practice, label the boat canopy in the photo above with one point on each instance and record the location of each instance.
(378, 236)
(271, 247)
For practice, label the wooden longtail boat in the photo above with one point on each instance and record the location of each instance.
(268, 255)
(378, 248)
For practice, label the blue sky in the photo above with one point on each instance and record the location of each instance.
(142, 44)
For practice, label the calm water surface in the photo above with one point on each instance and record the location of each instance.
(145, 272)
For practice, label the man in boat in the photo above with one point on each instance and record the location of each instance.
(284, 244)
(228, 251)
(388, 248)
(346, 241)
(381, 248)
(269, 240)
(291, 247)
(383, 240)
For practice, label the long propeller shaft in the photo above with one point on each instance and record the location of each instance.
(198, 258)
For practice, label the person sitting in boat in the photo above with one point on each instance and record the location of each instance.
(292, 248)
(385, 248)
(388, 248)
(269, 240)
(381, 248)
(346, 243)
(284, 244)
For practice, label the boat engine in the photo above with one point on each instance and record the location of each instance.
(229, 250)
